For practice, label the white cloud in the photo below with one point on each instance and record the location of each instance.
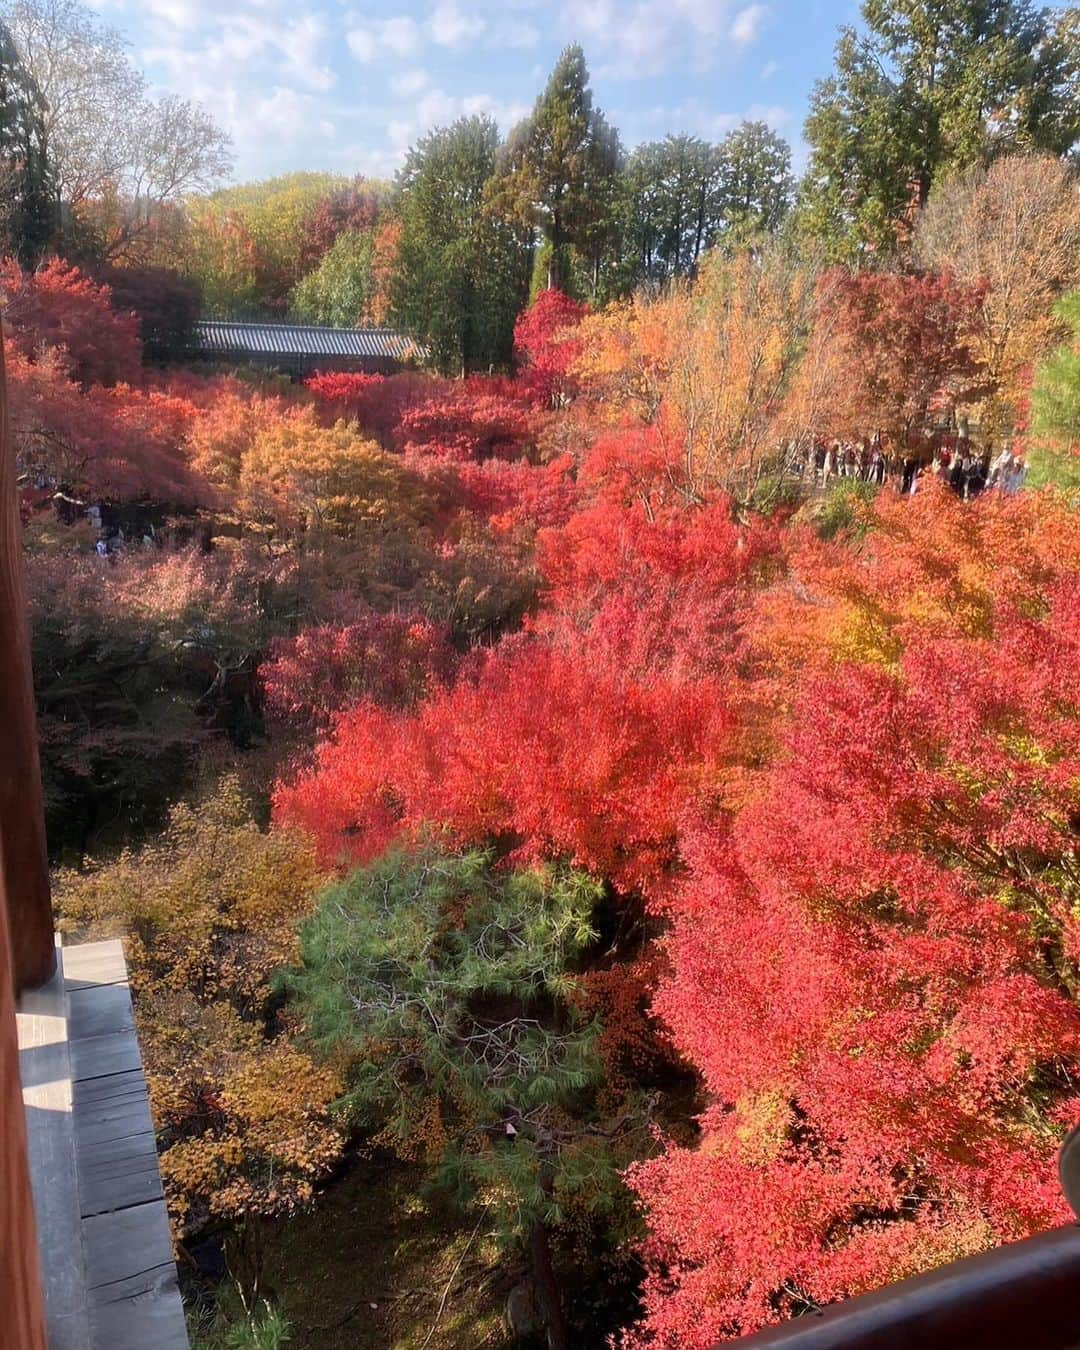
(290, 52)
(705, 17)
(277, 76)
(695, 117)
(649, 37)
(187, 15)
(747, 24)
(361, 42)
(439, 109)
(715, 125)
(352, 157)
(450, 26)
(409, 83)
(515, 33)
(399, 36)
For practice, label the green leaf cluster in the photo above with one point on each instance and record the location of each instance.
(339, 291)
(927, 86)
(1055, 408)
(1055, 403)
(461, 275)
(28, 200)
(446, 987)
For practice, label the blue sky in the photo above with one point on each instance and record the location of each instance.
(348, 85)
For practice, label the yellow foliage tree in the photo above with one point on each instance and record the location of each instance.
(223, 433)
(208, 913)
(245, 245)
(1015, 226)
(326, 479)
(717, 368)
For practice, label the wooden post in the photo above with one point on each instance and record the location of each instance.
(24, 868)
(22, 1307)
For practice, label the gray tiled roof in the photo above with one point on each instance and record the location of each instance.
(286, 339)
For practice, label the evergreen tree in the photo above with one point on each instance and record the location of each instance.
(339, 290)
(28, 212)
(757, 183)
(676, 193)
(461, 277)
(445, 991)
(1055, 405)
(932, 85)
(683, 195)
(559, 172)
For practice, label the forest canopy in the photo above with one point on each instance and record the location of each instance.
(608, 789)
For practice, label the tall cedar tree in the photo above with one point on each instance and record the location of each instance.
(28, 211)
(681, 195)
(932, 85)
(675, 205)
(757, 182)
(560, 169)
(460, 275)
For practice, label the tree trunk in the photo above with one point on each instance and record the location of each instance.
(246, 1257)
(546, 1288)
(554, 278)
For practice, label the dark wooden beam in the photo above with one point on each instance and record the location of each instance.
(1022, 1294)
(24, 868)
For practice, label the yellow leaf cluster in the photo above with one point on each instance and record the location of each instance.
(720, 367)
(208, 913)
(326, 478)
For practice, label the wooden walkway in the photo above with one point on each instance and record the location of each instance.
(106, 1253)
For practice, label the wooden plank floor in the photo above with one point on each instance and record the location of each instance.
(129, 1289)
(44, 1064)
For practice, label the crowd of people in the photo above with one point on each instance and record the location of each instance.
(116, 529)
(962, 465)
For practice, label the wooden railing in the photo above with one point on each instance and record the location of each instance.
(1026, 1294)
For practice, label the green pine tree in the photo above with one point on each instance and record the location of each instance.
(461, 275)
(447, 989)
(559, 172)
(28, 200)
(930, 86)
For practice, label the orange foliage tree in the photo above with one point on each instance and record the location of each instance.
(325, 479)
(1012, 229)
(717, 368)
